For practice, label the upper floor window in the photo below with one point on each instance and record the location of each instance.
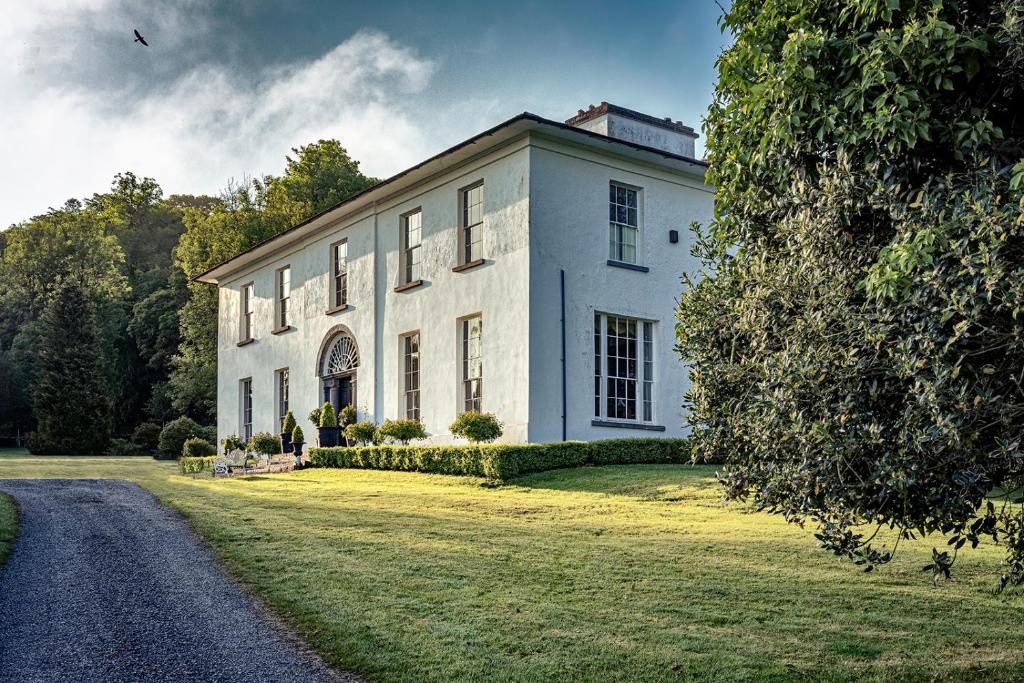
(472, 222)
(624, 222)
(411, 239)
(411, 375)
(623, 368)
(248, 311)
(339, 274)
(284, 295)
(471, 337)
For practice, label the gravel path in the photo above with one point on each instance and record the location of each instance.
(106, 584)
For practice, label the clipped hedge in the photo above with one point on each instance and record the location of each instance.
(503, 461)
(189, 465)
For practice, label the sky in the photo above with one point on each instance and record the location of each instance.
(227, 88)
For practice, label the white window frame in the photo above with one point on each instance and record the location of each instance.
(339, 275)
(282, 387)
(410, 393)
(247, 311)
(282, 297)
(617, 245)
(645, 382)
(411, 255)
(470, 250)
(245, 408)
(464, 365)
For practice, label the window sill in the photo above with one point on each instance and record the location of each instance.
(337, 309)
(463, 267)
(628, 266)
(408, 285)
(246, 342)
(628, 425)
(281, 330)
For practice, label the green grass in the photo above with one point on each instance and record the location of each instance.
(604, 573)
(8, 526)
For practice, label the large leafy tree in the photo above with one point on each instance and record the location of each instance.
(71, 405)
(857, 335)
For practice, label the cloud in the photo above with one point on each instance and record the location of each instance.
(63, 137)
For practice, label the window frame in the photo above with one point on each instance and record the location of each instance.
(247, 311)
(644, 399)
(245, 394)
(616, 245)
(464, 402)
(406, 267)
(338, 299)
(405, 392)
(465, 250)
(282, 299)
(282, 389)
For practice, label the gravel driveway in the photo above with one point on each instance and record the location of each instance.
(106, 584)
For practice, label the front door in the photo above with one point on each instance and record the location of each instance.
(340, 392)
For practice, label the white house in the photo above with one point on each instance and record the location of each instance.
(530, 271)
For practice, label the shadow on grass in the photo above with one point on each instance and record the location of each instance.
(635, 481)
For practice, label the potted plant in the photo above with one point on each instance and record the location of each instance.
(297, 441)
(286, 432)
(327, 432)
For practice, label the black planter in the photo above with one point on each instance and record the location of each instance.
(286, 443)
(328, 436)
(297, 449)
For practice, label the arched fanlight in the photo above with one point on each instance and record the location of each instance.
(342, 356)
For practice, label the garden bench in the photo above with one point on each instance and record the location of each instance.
(236, 460)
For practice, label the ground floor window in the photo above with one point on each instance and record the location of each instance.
(623, 368)
(411, 375)
(471, 337)
(282, 397)
(245, 404)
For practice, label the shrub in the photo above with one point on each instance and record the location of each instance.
(362, 433)
(402, 431)
(197, 448)
(347, 416)
(314, 416)
(289, 423)
(233, 442)
(147, 436)
(327, 417)
(123, 447)
(195, 465)
(297, 435)
(477, 427)
(504, 461)
(174, 434)
(265, 443)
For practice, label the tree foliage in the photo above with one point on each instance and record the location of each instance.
(856, 336)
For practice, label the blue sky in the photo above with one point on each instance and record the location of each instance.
(226, 88)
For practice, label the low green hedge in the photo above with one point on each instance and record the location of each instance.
(190, 465)
(503, 461)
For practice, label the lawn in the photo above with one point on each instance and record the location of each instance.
(8, 526)
(604, 573)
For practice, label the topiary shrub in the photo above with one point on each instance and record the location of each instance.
(314, 416)
(265, 443)
(174, 434)
(198, 448)
(297, 436)
(147, 437)
(123, 447)
(477, 427)
(362, 433)
(402, 431)
(347, 416)
(327, 416)
(289, 423)
(232, 442)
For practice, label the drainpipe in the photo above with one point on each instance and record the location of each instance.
(561, 274)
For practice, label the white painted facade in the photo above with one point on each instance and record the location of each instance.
(545, 212)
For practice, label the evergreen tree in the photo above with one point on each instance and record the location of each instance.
(71, 406)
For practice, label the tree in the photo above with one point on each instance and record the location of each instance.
(856, 336)
(71, 406)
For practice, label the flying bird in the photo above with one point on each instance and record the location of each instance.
(139, 38)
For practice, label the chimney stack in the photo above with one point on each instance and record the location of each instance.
(641, 129)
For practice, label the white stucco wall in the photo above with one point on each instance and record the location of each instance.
(569, 230)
